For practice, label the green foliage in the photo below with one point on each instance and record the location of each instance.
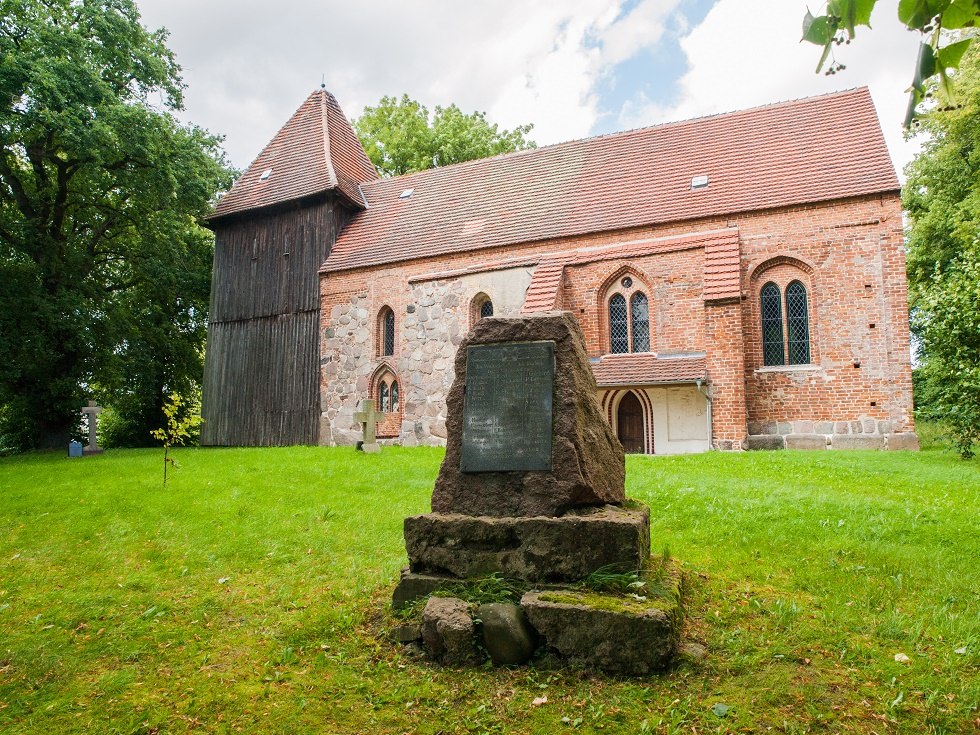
(104, 267)
(400, 136)
(930, 17)
(942, 198)
(183, 426)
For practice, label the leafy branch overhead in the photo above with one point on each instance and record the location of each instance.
(400, 136)
(931, 18)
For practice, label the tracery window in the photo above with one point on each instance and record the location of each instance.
(795, 343)
(772, 325)
(640, 322)
(797, 324)
(619, 337)
(388, 394)
(386, 327)
(629, 322)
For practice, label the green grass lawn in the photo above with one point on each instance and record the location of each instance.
(250, 595)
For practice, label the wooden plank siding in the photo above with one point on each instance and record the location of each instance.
(261, 370)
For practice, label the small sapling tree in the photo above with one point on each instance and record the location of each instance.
(183, 422)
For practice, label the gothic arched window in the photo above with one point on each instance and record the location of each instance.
(486, 309)
(639, 322)
(619, 335)
(771, 309)
(386, 328)
(797, 324)
(387, 392)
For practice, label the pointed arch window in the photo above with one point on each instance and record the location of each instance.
(486, 309)
(619, 336)
(771, 307)
(387, 393)
(797, 324)
(386, 324)
(640, 322)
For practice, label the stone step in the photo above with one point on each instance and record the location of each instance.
(533, 549)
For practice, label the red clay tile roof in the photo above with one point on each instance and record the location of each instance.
(807, 150)
(645, 368)
(542, 292)
(721, 264)
(722, 259)
(314, 152)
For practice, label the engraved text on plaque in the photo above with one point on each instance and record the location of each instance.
(507, 407)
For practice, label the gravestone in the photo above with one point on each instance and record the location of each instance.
(92, 412)
(368, 418)
(532, 487)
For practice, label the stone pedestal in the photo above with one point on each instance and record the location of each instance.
(543, 512)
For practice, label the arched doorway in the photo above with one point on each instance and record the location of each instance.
(629, 424)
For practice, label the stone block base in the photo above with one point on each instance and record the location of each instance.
(616, 635)
(534, 549)
(899, 442)
(858, 441)
(847, 435)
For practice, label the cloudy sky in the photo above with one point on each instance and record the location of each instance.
(573, 68)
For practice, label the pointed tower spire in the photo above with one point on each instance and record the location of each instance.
(314, 152)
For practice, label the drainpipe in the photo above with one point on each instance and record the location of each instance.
(697, 385)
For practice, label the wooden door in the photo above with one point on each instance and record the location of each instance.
(629, 424)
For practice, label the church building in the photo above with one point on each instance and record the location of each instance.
(739, 279)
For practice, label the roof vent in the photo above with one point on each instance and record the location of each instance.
(265, 174)
(406, 194)
(699, 182)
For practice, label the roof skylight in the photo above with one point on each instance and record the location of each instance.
(265, 174)
(699, 182)
(406, 194)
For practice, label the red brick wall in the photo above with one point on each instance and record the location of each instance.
(850, 258)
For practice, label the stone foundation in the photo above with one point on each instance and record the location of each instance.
(816, 435)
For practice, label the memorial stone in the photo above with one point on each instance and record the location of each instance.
(368, 418)
(92, 412)
(508, 453)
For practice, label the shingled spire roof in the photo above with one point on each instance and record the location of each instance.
(315, 152)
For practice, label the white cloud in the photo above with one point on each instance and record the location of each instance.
(250, 63)
(739, 58)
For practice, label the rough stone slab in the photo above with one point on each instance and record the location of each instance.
(908, 441)
(412, 587)
(613, 634)
(806, 441)
(507, 635)
(588, 462)
(858, 441)
(448, 631)
(803, 427)
(766, 441)
(823, 427)
(784, 427)
(407, 633)
(538, 549)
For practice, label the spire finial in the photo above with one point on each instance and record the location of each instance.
(323, 81)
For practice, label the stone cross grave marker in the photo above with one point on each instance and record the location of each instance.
(92, 411)
(368, 418)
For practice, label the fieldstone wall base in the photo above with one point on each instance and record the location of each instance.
(535, 549)
(412, 587)
(900, 442)
(613, 634)
(858, 441)
(765, 441)
(806, 441)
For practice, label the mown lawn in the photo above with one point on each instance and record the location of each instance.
(250, 595)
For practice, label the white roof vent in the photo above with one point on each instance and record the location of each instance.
(406, 194)
(699, 182)
(265, 174)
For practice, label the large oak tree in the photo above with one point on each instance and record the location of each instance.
(104, 267)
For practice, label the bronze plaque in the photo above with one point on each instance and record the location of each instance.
(507, 407)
